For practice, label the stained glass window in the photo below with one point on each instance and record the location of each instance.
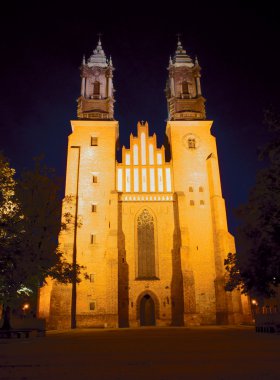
(146, 245)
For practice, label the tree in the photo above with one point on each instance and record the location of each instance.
(30, 250)
(9, 222)
(255, 267)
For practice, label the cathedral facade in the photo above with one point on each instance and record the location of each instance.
(151, 232)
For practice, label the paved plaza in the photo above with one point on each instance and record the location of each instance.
(144, 353)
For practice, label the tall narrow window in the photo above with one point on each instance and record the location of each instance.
(96, 88)
(185, 88)
(146, 245)
(92, 239)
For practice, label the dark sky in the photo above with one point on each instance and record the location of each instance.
(237, 46)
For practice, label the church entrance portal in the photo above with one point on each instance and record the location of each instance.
(147, 311)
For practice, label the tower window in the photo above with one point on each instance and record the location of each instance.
(91, 277)
(93, 208)
(92, 306)
(185, 88)
(190, 189)
(96, 88)
(94, 179)
(94, 141)
(201, 202)
(200, 189)
(92, 239)
(191, 203)
(191, 143)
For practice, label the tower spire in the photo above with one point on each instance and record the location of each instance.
(183, 90)
(97, 92)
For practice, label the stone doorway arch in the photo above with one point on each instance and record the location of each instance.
(147, 309)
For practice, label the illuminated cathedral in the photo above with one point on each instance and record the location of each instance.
(152, 232)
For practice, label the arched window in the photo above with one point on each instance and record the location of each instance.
(146, 245)
(96, 88)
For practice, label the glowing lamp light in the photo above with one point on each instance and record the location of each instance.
(254, 302)
(25, 306)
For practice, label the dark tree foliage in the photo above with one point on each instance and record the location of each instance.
(10, 221)
(255, 268)
(30, 212)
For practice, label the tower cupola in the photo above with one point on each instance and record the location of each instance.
(183, 90)
(96, 101)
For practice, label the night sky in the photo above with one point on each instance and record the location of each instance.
(42, 48)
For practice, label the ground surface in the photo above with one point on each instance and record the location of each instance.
(144, 353)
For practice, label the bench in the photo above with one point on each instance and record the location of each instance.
(20, 333)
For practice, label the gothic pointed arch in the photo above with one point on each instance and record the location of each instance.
(146, 244)
(154, 297)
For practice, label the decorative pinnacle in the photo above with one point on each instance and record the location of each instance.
(170, 60)
(99, 38)
(196, 60)
(84, 60)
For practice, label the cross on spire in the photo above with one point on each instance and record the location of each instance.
(178, 37)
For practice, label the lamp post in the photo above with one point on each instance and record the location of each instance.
(74, 262)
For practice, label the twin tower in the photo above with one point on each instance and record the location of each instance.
(151, 233)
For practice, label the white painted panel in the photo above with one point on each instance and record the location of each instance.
(136, 180)
(127, 180)
(151, 154)
(135, 154)
(119, 184)
(152, 179)
(127, 158)
(168, 179)
(159, 158)
(160, 180)
(143, 148)
(144, 180)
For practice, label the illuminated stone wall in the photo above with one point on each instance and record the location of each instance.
(188, 214)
